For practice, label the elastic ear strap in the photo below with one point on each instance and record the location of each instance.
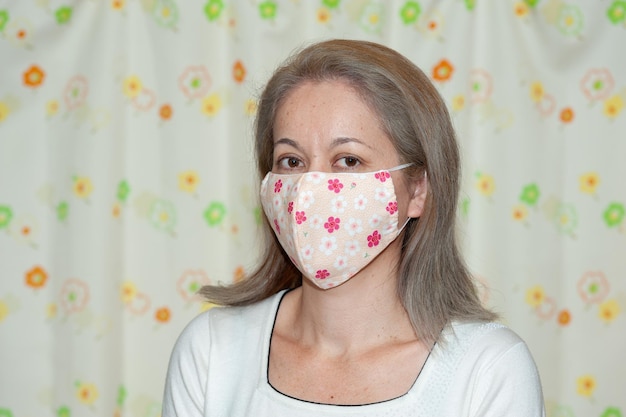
(399, 167)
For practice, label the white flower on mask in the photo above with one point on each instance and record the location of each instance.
(328, 245)
(354, 226)
(360, 202)
(381, 194)
(307, 252)
(352, 247)
(306, 199)
(341, 262)
(316, 222)
(375, 221)
(338, 204)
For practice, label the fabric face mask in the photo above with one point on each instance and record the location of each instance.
(332, 224)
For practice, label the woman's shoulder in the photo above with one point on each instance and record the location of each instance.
(228, 321)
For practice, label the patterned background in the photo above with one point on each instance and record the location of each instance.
(127, 181)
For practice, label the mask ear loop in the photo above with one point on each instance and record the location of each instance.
(399, 167)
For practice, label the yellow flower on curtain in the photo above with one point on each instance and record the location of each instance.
(458, 102)
(128, 292)
(4, 111)
(4, 310)
(613, 106)
(519, 213)
(118, 4)
(212, 104)
(87, 393)
(586, 385)
(537, 91)
(609, 310)
(535, 296)
(521, 9)
(132, 86)
(52, 107)
(51, 310)
(188, 181)
(82, 187)
(589, 182)
(323, 15)
(250, 107)
(485, 184)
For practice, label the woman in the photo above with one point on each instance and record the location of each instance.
(361, 304)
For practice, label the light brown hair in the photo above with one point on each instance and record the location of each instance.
(434, 284)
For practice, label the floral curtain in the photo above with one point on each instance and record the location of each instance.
(127, 179)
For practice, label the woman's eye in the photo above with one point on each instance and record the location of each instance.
(349, 161)
(289, 162)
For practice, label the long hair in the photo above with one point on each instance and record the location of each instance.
(434, 284)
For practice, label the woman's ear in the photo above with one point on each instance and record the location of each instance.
(417, 201)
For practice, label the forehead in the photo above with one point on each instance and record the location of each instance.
(327, 107)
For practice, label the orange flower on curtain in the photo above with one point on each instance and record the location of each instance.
(34, 76)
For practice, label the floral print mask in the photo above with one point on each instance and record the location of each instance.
(332, 224)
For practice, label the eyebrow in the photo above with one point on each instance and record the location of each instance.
(336, 142)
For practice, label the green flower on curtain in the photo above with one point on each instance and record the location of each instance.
(410, 12)
(215, 213)
(617, 12)
(267, 9)
(530, 194)
(4, 18)
(213, 9)
(566, 218)
(570, 20)
(163, 215)
(562, 411)
(532, 3)
(63, 411)
(612, 412)
(121, 395)
(62, 209)
(371, 19)
(5, 412)
(331, 4)
(614, 214)
(166, 13)
(258, 215)
(63, 15)
(6, 214)
(123, 189)
(470, 4)
(465, 206)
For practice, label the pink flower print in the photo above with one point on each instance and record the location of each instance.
(290, 207)
(373, 239)
(597, 84)
(276, 226)
(277, 186)
(392, 207)
(335, 185)
(382, 176)
(300, 217)
(354, 226)
(360, 202)
(328, 245)
(322, 274)
(332, 224)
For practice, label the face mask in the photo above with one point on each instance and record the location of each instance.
(332, 224)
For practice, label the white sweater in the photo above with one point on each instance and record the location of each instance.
(218, 368)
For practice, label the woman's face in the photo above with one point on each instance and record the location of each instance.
(326, 126)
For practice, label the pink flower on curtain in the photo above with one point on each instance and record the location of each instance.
(597, 84)
(144, 100)
(190, 283)
(481, 85)
(75, 92)
(74, 295)
(195, 81)
(593, 287)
